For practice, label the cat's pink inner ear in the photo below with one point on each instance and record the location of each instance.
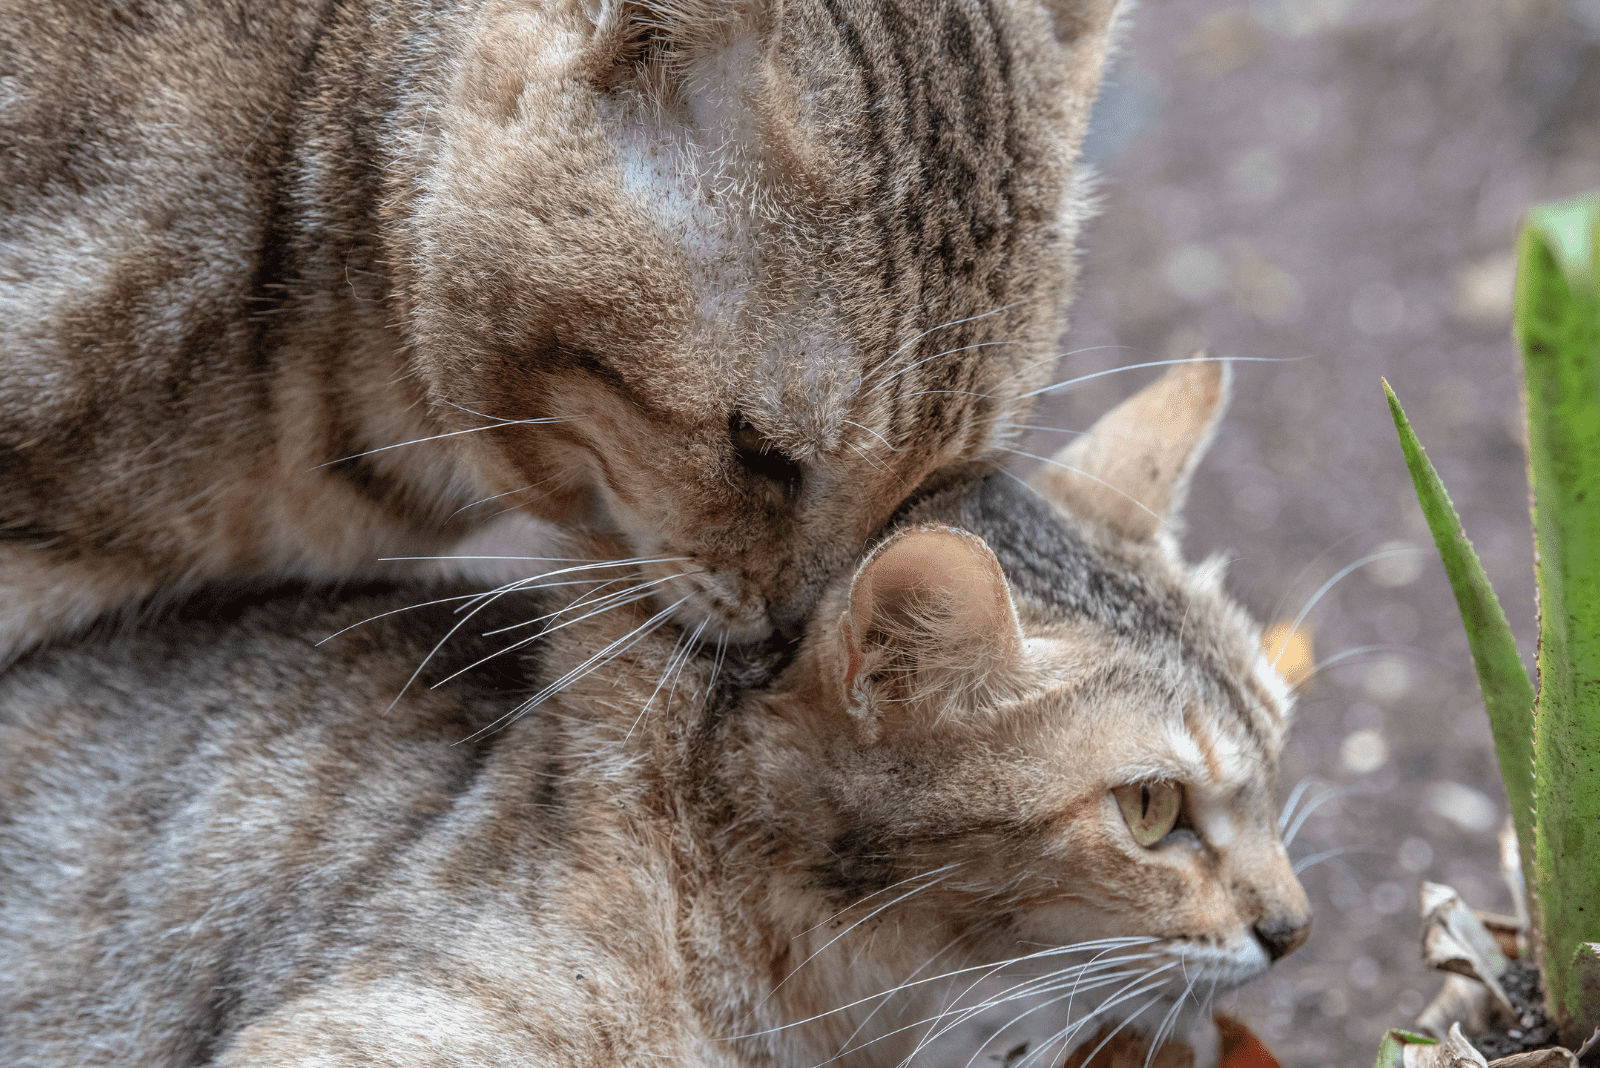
(1131, 470)
(935, 584)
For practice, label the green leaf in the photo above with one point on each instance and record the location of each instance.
(1391, 1051)
(1507, 693)
(1557, 326)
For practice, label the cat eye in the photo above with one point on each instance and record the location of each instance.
(1150, 809)
(759, 456)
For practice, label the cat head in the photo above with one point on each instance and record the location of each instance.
(1058, 741)
(736, 280)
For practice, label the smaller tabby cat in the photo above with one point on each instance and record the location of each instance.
(1040, 740)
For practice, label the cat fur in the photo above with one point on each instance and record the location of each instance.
(221, 845)
(289, 287)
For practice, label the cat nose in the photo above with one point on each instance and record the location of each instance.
(1282, 935)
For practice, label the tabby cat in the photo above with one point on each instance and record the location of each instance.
(290, 286)
(1016, 733)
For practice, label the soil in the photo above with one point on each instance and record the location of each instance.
(1533, 1031)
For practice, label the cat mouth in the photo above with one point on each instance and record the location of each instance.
(712, 605)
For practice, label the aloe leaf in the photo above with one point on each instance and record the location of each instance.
(1557, 326)
(1507, 693)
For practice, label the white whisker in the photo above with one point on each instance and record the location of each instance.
(1311, 806)
(1295, 795)
(447, 434)
(941, 326)
(931, 392)
(988, 968)
(1317, 858)
(1068, 383)
(844, 1047)
(1381, 648)
(675, 665)
(397, 611)
(1170, 1020)
(943, 873)
(935, 356)
(600, 659)
(1051, 429)
(530, 639)
(1326, 586)
(497, 496)
(1116, 999)
(874, 433)
(1067, 467)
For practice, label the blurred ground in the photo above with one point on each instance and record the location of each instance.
(1338, 183)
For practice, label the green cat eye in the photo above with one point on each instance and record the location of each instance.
(1150, 808)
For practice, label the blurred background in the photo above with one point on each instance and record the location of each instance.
(1338, 183)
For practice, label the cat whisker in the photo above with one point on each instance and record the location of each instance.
(935, 356)
(447, 434)
(1121, 996)
(717, 661)
(1053, 980)
(1283, 598)
(397, 611)
(497, 496)
(1073, 980)
(676, 662)
(613, 601)
(865, 456)
(598, 660)
(488, 598)
(941, 326)
(942, 873)
(1312, 806)
(1070, 382)
(484, 600)
(1325, 587)
(499, 418)
(536, 582)
(963, 392)
(1295, 795)
(988, 969)
(1317, 858)
(884, 890)
(1381, 648)
(591, 566)
(940, 1028)
(606, 601)
(874, 433)
(1134, 979)
(1099, 972)
(844, 1047)
(1051, 429)
(1170, 1020)
(1067, 467)
(963, 1015)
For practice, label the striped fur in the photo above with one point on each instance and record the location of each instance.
(222, 846)
(289, 286)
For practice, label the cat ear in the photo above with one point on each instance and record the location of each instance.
(1131, 470)
(929, 621)
(1086, 30)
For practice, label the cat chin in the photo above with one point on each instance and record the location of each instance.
(1238, 960)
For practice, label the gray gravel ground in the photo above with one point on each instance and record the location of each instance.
(1338, 183)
